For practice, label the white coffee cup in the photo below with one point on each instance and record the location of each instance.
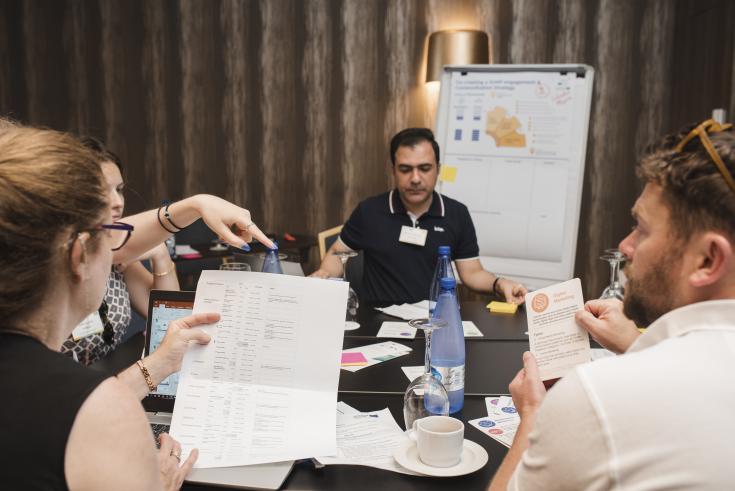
(439, 440)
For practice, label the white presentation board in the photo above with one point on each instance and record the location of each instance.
(513, 141)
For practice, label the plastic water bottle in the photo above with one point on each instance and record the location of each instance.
(447, 345)
(271, 262)
(443, 270)
(171, 246)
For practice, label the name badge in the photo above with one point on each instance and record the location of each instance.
(413, 235)
(92, 324)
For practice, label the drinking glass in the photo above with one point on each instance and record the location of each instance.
(425, 395)
(352, 302)
(615, 258)
(235, 267)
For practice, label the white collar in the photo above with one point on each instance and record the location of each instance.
(393, 211)
(701, 316)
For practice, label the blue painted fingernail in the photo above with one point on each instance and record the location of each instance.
(245, 248)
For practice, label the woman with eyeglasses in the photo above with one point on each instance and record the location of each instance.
(65, 426)
(130, 283)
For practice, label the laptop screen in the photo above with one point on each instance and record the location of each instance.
(164, 307)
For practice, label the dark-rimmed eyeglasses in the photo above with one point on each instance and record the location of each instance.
(700, 131)
(119, 232)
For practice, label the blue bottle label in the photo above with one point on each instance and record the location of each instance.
(451, 377)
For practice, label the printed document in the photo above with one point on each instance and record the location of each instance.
(407, 311)
(264, 389)
(377, 353)
(367, 439)
(502, 420)
(402, 330)
(556, 340)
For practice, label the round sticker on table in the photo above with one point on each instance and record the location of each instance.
(486, 423)
(509, 410)
(495, 431)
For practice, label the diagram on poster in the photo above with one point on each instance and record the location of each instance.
(515, 141)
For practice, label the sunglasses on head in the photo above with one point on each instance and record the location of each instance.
(701, 131)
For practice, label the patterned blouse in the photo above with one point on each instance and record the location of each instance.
(91, 348)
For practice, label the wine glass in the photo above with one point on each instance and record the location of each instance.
(615, 258)
(352, 302)
(425, 395)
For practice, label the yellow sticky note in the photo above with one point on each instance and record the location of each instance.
(448, 173)
(502, 307)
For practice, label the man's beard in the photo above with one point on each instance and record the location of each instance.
(653, 293)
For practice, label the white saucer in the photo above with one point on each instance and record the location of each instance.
(473, 458)
(351, 325)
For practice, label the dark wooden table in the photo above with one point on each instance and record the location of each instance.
(491, 363)
(494, 327)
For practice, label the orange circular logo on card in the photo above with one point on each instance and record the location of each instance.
(539, 303)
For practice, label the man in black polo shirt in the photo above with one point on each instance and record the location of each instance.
(401, 230)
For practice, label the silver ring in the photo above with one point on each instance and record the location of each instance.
(251, 224)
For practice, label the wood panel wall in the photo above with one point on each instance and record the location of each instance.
(287, 106)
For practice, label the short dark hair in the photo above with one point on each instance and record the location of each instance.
(103, 153)
(410, 137)
(697, 195)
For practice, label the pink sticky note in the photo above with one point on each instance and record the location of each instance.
(353, 359)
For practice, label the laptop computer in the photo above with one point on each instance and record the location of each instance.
(163, 307)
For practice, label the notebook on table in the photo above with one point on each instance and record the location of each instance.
(163, 307)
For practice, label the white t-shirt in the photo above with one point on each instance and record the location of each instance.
(661, 416)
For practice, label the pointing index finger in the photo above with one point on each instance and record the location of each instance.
(260, 236)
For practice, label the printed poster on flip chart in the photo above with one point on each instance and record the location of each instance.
(556, 340)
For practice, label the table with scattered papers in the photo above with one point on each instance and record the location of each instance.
(492, 361)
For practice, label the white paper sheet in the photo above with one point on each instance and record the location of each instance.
(398, 330)
(500, 406)
(500, 428)
(401, 330)
(556, 340)
(367, 439)
(378, 353)
(264, 389)
(407, 311)
(471, 330)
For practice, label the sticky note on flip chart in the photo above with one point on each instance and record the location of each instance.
(448, 173)
(353, 360)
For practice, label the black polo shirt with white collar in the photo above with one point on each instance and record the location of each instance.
(397, 272)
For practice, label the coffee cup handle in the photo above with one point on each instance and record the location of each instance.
(412, 431)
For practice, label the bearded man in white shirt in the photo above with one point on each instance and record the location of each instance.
(660, 415)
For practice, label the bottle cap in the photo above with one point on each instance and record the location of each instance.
(445, 250)
(447, 283)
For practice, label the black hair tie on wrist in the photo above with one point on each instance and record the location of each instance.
(168, 216)
(158, 215)
(495, 286)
